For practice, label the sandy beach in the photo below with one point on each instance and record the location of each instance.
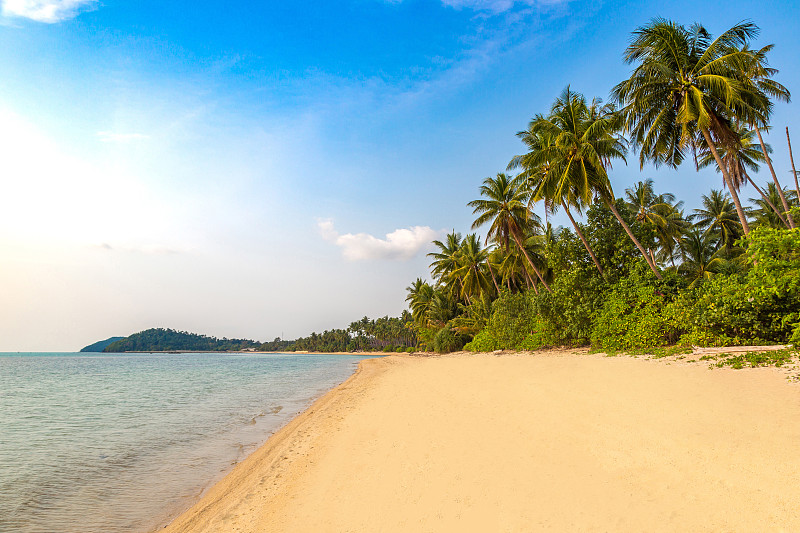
(553, 441)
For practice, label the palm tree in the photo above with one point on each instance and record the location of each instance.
(718, 218)
(472, 270)
(445, 261)
(515, 268)
(419, 298)
(442, 308)
(505, 207)
(642, 200)
(763, 212)
(701, 259)
(741, 158)
(686, 84)
(493, 260)
(573, 167)
(670, 231)
(536, 168)
(761, 74)
(791, 160)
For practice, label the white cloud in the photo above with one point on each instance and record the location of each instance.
(110, 136)
(401, 244)
(49, 11)
(494, 6)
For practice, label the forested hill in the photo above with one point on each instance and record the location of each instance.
(167, 340)
(99, 346)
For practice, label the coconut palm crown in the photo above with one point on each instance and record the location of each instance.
(686, 84)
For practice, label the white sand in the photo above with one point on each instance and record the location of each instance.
(544, 442)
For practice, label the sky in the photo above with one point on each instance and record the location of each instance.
(268, 169)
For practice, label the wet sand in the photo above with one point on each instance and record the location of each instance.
(552, 441)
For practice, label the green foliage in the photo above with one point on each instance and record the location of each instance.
(275, 345)
(447, 340)
(752, 359)
(482, 342)
(510, 321)
(640, 311)
(761, 305)
(706, 338)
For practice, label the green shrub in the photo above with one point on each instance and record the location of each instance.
(758, 305)
(388, 348)
(640, 312)
(510, 322)
(447, 340)
(482, 342)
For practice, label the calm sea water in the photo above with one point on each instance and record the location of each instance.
(110, 443)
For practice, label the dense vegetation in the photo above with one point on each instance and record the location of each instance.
(639, 271)
(386, 334)
(166, 340)
(99, 346)
(382, 334)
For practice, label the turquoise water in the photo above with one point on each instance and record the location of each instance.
(111, 443)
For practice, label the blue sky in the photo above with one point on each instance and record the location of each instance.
(272, 168)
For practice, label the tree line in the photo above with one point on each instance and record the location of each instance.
(380, 334)
(638, 270)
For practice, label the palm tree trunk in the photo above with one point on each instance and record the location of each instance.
(489, 264)
(791, 158)
(766, 199)
(529, 282)
(728, 182)
(775, 179)
(627, 228)
(525, 252)
(585, 242)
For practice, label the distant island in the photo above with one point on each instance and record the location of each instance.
(386, 334)
(99, 346)
(169, 340)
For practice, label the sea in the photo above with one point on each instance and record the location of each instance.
(112, 443)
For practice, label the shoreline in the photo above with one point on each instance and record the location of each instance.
(268, 456)
(354, 430)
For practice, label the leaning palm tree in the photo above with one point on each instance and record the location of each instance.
(505, 207)
(740, 160)
(686, 84)
(761, 74)
(516, 270)
(718, 219)
(574, 166)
